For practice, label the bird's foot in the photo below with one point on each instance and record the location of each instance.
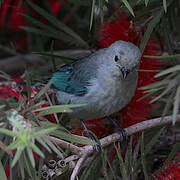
(118, 129)
(96, 147)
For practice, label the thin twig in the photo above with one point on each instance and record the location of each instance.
(132, 130)
(74, 149)
(78, 166)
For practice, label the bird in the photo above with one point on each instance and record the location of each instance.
(105, 81)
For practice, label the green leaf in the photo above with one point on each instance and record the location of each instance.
(73, 138)
(174, 151)
(91, 168)
(57, 23)
(153, 141)
(165, 5)
(52, 146)
(39, 32)
(146, 2)
(149, 30)
(19, 4)
(15, 144)
(47, 30)
(44, 131)
(43, 90)
(17, 155)
(92, 13)
(2, 172)
(176, 104)
(121, 163)
(9, 133)
(43, 143)
(128, 7)
(21, 166)
(169, 70)
(101, 4)
(148, 147)
(143, 162)
(169, 87)
(36, 149)
(31, 157)
(156, 84)
(163, 57)
(56, 109)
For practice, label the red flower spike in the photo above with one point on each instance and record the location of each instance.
(55, 6)
(15, 20)
(10, 19)
(6, 91)
(170, 171)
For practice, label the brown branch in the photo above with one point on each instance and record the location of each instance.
(66, 145)
(78, 166)
(87, 150)
(132, 130)
(84, 152)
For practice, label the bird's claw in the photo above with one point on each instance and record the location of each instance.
(118, 129)
(96, 147)
(122, 132)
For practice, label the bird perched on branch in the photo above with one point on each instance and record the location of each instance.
(105, 81)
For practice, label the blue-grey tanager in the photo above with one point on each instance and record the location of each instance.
(105, 81)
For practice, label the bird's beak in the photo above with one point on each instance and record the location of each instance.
(124, 72)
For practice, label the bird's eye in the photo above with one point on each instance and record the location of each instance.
(116, 58)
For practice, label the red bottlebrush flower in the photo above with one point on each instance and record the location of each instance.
(6, 91)
(170, 171)
(14, 20)
(10, 19)
(55, 6)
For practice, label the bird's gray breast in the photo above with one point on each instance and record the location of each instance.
(105, 96)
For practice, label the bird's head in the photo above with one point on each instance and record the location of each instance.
(125, 58)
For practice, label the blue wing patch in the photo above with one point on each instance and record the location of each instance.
(67, 80)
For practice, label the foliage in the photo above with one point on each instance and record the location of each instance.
(28, 114)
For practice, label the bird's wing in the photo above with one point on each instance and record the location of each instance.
(74, 78)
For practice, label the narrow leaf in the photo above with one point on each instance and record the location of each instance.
(73, 138)
(163, 57)
(36, 149)
(150, 28)
(176, 104)
(165, 5)
(143, 157)
(92, 13)
(146, 2)
(56, 109)
(17, 156)
(31, 157)
(9, 133)
(2, 172)
(126, 3)
(43, 90)
(44, 131)
(57, 23)
(169, 70)
(43, 143)
(122, 165)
